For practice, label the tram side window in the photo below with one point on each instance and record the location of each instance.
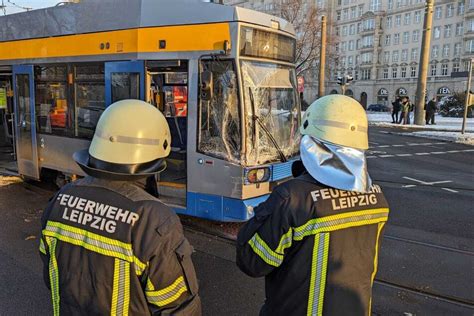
(52, 108)
(219, 120)
(89, 90)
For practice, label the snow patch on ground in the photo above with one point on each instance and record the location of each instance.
(456, 137)
(442, 123)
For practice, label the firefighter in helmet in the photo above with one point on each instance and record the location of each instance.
(317, 237)
(107, 246)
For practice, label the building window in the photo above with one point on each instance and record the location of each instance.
(338, 15)
(387, 40)
(394, 73)
(345, 14)
(459, 29)
(417, 17)
(343, 46)
(344, 30)
(375, 5)
(365, 74)
(444, 69)
(461, 8)
(398, 20)
(343, 61)
(395, 56)
(449, 10)
(414, 54)
(351, 45)
(457, 50)
(470, 25)
(406, 37)
(434, 51)
(437, 32)
(438, 12)
(366, 58)
(336, 48)
(407, 19)
(390, 4)
(385, 73)
(470, 46)
(447, 30)
(413, 71)
(350, 60)
(359, 27)
(404, 72)
(386, 57)
(388, 22)
(396, 38)
(353, 12)
(433, 70)
(415, 36)
(360, 10)
(455, 67)
(357, 60)
(404, 54)
(358, 46)
(352, 29)
(446, 50)
(368, 41)
(338, 32)
(369, 24)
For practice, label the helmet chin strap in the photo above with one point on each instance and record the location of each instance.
(335, 166)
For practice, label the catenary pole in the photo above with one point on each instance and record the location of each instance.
(322, 58)
(424, 60)
(468, 94)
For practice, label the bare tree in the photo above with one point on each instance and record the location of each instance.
(305, 17)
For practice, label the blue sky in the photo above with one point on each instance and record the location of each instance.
(35, 4)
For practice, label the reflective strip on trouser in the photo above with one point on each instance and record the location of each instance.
(376, 261)
(167, 295)
(340, 221)
(263, 251)
(42, 248)
(53, 274)
(94, 242)
(121, 288)
(318, 274)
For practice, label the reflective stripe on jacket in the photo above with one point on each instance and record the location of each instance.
(110, 248)
(316, 246)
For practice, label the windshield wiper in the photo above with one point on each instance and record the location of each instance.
(257, 119)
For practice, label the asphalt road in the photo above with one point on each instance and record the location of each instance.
(426, 261)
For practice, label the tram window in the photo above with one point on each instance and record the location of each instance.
(52, 109)
(125, 86)
(89, 98)
(219, 122)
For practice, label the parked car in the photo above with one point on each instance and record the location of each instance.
(378, 108)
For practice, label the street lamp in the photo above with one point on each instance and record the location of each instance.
(468, 96)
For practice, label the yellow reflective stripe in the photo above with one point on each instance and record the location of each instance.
(167, 295)
(286, 241)
(376, 262)
(53, 274)
(261, 248)
(42, 248)
(94, 242)
(121, 288)
(340, 221)
(318, 274)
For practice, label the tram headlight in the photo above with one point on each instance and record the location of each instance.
(258, 175)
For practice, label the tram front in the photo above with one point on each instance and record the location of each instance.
(249, 119)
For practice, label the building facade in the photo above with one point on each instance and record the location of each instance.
(379, 45)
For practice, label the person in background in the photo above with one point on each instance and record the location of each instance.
(404, 107)
(317, 237)
(395, 109)
(108, 247)
(431, 109)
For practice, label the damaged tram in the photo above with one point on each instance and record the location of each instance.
(223, 76)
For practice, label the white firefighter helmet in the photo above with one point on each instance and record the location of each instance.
(337, 119)
(131, 140)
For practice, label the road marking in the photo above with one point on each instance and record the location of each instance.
(374, 153)
(450, 190)
(438, 152)
(404, 155)
(368, 157)
(422, 154)
(383, 146)
(453, 151)
(385, 156)
(399, 145)
(468, 150)
(428, 183)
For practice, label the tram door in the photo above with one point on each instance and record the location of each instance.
(124, 80)
(25, 127)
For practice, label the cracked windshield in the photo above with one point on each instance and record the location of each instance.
(272, 111)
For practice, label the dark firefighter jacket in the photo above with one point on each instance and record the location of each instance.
(109, 248)
(316, 246)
